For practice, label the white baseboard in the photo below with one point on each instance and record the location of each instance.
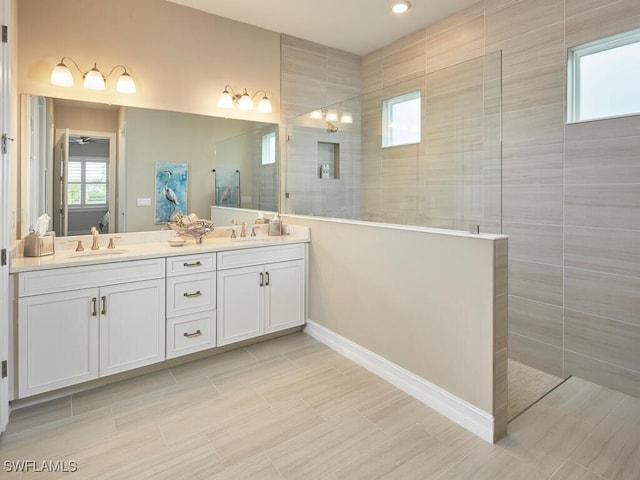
(459, 411)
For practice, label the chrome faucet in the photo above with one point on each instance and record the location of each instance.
(243, 232)
(94, 234)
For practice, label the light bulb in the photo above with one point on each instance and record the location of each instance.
(400, 6)
(225, 100)
(265, 105)
(245, 102)
(316, 114)
(332, 115)
(346, 117)
(94, 79)
(61, 76)
(126, 84)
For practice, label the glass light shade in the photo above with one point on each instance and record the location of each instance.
(245, 102)
(61, 76)
(400, 6)
(94, 79)
(316, 114)
(126, 84)
(265, 105)
(346, 117)
(332, 115)
(225, 100)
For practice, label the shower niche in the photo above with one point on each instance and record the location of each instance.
(328, 160)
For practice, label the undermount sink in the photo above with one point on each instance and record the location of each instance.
(98, 253)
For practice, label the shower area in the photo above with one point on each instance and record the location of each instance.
(424, 152)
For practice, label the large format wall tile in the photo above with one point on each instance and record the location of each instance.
(603, 206)
(607, 374)
(533, 165)
(532, 204)
(603, 250)
(610, 296)
(542, 356)
(534, 126)
(621, 16)
(533, 88)
(536, 320)
(536, 281)
(456, 45)
(534, 242)
(603, 339)
(602, 161)
(521, 18)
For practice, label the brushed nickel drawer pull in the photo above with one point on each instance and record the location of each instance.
(194, 264)
(94, 301)
(104, 306)
(197, 333)
(191, 295)
(267, 284)
(261, 279)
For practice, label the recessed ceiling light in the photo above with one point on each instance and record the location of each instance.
(400, 6)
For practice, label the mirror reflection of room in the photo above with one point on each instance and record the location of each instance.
(111, 152)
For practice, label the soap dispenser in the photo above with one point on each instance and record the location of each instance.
(275, 226)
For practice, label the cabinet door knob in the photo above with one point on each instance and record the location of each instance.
(194, 264)
(94, 301)
(191, 295)
(104, 306)
(197, 333)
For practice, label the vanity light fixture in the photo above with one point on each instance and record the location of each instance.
(93, 79)
(332, 115)
(400, 6)
(244, 100)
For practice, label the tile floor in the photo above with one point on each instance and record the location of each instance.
(526, 386)
(290, 408)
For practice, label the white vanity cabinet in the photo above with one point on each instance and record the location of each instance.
(81, 323)
(260, 290)
(191, 303)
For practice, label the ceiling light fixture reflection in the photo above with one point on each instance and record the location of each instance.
(244, 100)
(400, 6)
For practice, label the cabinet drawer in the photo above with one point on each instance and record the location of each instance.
(183, 264)
(74, 278)
(191, 293)
(260, 255)
(190, 333)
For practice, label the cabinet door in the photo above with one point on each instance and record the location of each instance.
(58, 340)
(240, 304)
(132, 325)
(285, 295)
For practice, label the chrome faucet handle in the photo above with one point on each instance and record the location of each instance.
(79, 247)
(94, 233)
(233, 232)
(112, 242)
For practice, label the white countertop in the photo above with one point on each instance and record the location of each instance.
(140, 246)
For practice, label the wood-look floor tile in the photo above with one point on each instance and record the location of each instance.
(562, 420)
(57, 439)
(395, 411)
(36, 415)
(527, 385)
(257, 467)
(613, 449)
(213, 365)
(210, 415)
(106, 395)
(264, 430)
(252, 373)
(488, 462)
(158, 404)
(573, 471)
(413, 454)
(326, 448)
(282, 345)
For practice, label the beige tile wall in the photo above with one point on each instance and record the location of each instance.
(571, 193)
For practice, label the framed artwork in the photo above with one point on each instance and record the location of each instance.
(227, 186)
(171, 183)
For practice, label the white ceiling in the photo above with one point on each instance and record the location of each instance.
(356, 26)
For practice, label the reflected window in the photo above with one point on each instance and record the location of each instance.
(401, 119)
(269, 148)
(87, 182)
(603, 78)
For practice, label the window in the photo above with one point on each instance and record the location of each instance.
(87, 183)
(603, 78)
(269, 148)
(401, 120)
